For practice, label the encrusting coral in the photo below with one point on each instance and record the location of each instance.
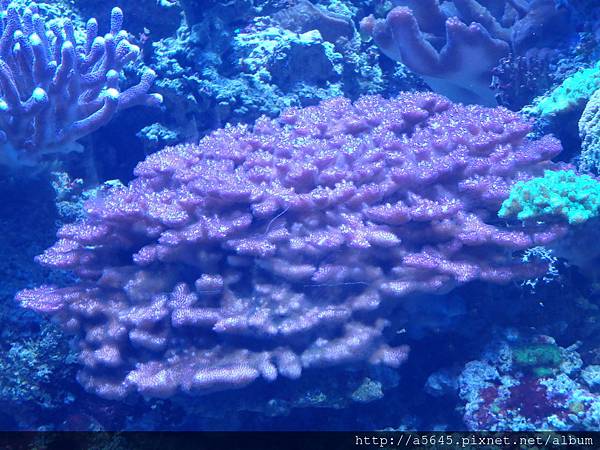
(589, 131)
(560, 194)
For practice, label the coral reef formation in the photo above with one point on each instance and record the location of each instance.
(561, 197)
(286, 247)
(526, 386)
(55, 88)
(303, 17)
(330, 262)
(234, 63)
(571, 94)
(589, 131)
(280, 56)
(454, 45)
(29, 366)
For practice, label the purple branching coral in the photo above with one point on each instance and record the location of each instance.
(455, 44)
(55, 90)
(285, 247)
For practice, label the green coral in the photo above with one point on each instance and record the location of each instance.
(572, 93)
(541, 359)
(589, 131)
(573, 197)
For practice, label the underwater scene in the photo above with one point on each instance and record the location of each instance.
(300, 215)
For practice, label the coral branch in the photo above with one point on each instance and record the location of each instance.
(55, 90)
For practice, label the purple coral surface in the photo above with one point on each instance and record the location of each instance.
(270, 250)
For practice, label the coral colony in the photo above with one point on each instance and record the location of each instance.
(589, 131)
(454, 45)
(269, 250)
(56, 89)
(322, 220)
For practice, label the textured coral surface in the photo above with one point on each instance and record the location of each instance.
(560, 194)
(589, 131)
(455, 45)
(56, 88)
(285, 247)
